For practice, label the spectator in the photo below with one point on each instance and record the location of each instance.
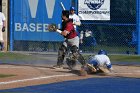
(87, 39)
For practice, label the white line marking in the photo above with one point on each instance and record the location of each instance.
(30, 79)
(12, 67)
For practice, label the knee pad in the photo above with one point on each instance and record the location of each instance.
(81, 59)
(74, 49)
(62, 50)
(61, 53)
(77, 55)
(71, 63)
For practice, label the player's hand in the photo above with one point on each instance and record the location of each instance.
(111, 70)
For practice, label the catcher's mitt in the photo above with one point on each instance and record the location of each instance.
(52, 27)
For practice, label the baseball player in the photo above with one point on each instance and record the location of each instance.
(2, 29)
(71, 40)
(75, 18)
(95, 63)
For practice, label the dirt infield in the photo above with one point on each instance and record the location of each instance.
(31, 75)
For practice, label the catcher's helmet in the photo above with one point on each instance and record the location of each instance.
(65, 13)
(102, 52)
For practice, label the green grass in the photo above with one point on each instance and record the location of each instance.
(6, 75)
(110, 49)
(17, 57)
(10, 55)
(21, 57)
(125, 58)
(122, 58)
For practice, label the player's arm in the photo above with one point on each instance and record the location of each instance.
(66, 31)
(77, 22)
(81, 37)
(3, 19)
(4, 23)
(109, 65)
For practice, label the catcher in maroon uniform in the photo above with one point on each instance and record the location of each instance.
(72, 41)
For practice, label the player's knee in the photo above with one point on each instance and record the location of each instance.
(62, 50)
(74, 49)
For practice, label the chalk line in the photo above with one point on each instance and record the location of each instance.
(36, 78)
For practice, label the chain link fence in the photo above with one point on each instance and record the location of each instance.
(117, 36)
(116, 39)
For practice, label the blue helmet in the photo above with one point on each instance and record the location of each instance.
(72, 8)
(102, 52)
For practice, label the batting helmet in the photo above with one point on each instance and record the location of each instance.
(72, 8)
(102, 52)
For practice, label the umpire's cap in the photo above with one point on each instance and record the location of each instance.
(72, 8)
(102, 52)
(65, 13)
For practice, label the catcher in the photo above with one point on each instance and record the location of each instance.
(99, 63)
(71, 40)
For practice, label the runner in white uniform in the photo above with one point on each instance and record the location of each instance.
(98, 61)
(2, 29)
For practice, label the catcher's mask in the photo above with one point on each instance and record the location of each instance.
(102, 52)
(65, 13)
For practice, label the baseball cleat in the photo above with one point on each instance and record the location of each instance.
(57, 67)
(92, 68)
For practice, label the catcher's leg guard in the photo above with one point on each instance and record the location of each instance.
(77, 55)
(61, 55)
(71, 63)
(81, 59)
(74, 51)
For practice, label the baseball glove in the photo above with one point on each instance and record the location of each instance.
(3, 29)
(52, 27)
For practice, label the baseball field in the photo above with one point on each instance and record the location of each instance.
(23, 70)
